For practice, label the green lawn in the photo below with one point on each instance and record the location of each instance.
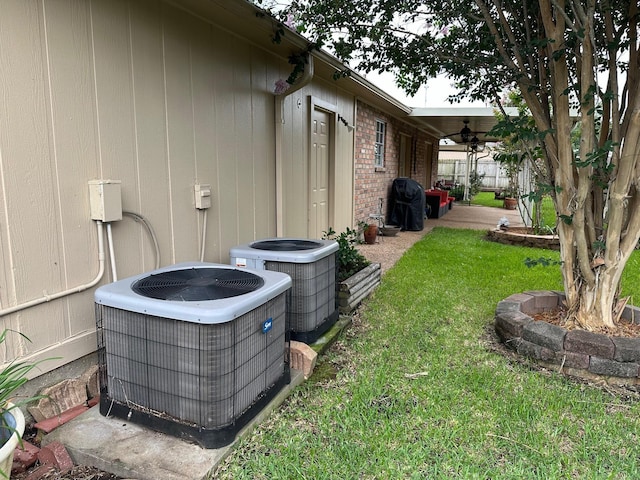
(414, 390)
(487, 199)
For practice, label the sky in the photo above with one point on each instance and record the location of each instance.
(433, 95)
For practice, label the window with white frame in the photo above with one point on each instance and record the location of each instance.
(381, 130)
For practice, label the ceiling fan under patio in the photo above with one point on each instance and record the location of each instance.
(467, 135)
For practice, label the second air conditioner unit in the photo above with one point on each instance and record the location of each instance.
(312, 266)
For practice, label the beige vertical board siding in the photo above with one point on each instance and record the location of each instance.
(204, 136)
(142, 92)
(116, 120)
(34, 233)
(343, 166)
(225, 121)
(296, 162)
(243, 123)
(180, 133)
(151, 179)
(75, 159)
(263, 130)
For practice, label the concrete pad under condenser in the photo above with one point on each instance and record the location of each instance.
(129, 450)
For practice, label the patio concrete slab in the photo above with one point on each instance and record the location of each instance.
(132, 451)
(475, 217)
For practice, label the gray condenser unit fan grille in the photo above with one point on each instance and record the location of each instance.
(312, 266)
(286, 245)
(197, 284)
(199, 380)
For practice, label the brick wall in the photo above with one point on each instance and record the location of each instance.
(373, 183)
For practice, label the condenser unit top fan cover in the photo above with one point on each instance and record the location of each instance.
(286, 244)
(290, 250)
(196, 292)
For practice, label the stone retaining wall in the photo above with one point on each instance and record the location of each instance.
(550, 242)
(615, 360)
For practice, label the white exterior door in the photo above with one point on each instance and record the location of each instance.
(319, 173)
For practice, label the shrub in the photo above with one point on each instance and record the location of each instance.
(350, 260)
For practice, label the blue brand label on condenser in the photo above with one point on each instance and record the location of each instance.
(267, 325)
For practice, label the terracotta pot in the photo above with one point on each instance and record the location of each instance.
(370, 234)
(510, 203)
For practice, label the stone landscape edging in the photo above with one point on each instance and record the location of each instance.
(588, 355)
(550, 242)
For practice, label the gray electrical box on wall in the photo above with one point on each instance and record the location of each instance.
(106, 200)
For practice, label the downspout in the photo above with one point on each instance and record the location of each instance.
(306, 78)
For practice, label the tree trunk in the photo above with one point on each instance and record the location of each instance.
(591, 303)
(595, 307)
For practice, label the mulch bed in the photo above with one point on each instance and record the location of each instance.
(624, 328)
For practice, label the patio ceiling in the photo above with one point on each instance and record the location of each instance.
(446, 122)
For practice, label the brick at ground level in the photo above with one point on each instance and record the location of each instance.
(572, 360)
(55, 454)
(24, 457)
(303, 357)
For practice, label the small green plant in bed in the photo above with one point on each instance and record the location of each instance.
(13, 376)
(350, 260)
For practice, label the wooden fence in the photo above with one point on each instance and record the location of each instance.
(455, 170)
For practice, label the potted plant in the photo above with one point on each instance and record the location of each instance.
(512, 163)
(12, 422)
(370, 233)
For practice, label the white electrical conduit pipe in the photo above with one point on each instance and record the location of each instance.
(112, 255)
(204, 235)
(152, 234)
(47, 298)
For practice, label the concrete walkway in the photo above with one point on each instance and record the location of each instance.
(475, 217)
(388, 250)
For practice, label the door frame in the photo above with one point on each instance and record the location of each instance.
(326, 107)
(406, 156)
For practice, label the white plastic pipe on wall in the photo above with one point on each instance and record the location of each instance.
(204, 234)
(80, 288)
(112, 255)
